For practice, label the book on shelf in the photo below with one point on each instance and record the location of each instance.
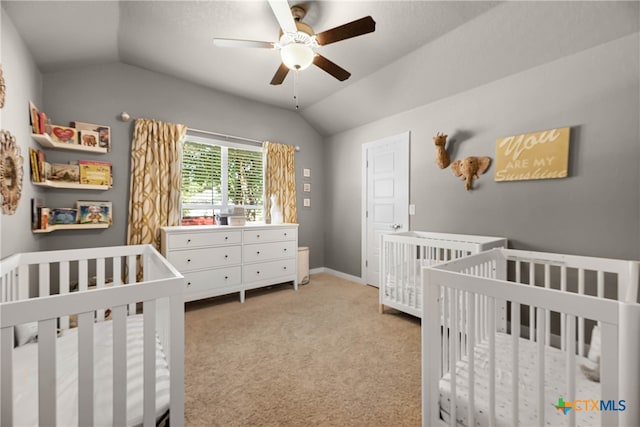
(36, 205)
(95, 172)
(64, 172)
(33, 156)
(94, 212)
(34, 119)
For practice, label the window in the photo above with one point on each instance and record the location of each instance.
(218, 175)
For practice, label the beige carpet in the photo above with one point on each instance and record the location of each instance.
(322, 356)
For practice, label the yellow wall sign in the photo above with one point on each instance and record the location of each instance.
(538, 155)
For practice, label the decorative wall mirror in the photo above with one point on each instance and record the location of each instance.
(11, 162)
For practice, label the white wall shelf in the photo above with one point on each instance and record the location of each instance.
(45, 141)
(57, 227)
(72, 185)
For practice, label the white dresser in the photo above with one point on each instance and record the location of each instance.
(221, 259)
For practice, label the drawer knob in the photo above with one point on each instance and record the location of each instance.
(226, 277)
(188, 260)
(188, 240)
(285, 268)
(226, 237)
(257, 272)
(257, 236)
(285, 234)
(226, 256)
(258, 252)
(285, 249)
(188, 283)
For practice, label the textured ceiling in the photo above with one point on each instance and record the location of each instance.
(421, 51)
(175, 38)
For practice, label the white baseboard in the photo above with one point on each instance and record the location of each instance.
(337, 274)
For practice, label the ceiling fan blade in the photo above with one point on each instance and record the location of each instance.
(279, 76)
(352, 29)
(330, 67)
(283, 14)
(243, 43)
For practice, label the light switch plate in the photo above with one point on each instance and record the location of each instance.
(412, 209)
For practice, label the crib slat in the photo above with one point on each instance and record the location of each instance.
(581, 319)
(471, 355)
(132, 270)
(570, 337)
(99, 285)
(541, 402)
(609, 361)
(547, 284)
(119, 316)
(64, 289)
(85, 368)
(563, 288)
(44, 288)
(515, 362)
(492, 359)
(600, 284)
(447, 325)
(117, 271)
(6, 371)
(47, 372)
(532, 316)
(175, 358)
(149, 357)
(83, 275)
(453, 339)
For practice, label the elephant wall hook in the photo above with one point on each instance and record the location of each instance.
(469, 168)
(442, 157)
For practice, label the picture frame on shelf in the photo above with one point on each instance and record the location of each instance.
(88, 138)
(94, 212)
(104, 132)
(64, 135)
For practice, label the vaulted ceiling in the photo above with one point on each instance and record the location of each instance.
(421, 50)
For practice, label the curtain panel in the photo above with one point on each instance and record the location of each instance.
(280, 181)
(155, 180)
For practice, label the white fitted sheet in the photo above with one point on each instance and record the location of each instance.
(25, 378)
(555, 386)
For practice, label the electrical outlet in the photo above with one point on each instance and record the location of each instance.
(412, 209)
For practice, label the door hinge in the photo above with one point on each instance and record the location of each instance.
(366, 263)
(366, 215)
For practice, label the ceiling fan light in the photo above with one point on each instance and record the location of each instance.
(297, 56)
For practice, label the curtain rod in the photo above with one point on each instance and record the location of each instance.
(125, 117)
(222, 135)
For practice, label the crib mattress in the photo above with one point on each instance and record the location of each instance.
(555, 386)
(25, 377)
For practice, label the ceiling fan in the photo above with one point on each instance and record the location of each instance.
(298, 43)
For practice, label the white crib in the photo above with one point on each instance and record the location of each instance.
(402, 256)
(530, 374)
(119, 369)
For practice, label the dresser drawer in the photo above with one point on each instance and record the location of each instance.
(268, 251)
(277, 235)
(200, 239)
(197, 259)
(266, 271)
(209, 283)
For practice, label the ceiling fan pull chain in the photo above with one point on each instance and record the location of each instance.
(295, 89)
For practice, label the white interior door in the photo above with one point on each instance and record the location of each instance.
(385, 197)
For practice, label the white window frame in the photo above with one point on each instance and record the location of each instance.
(224, 164)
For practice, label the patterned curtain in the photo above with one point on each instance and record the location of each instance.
(155, 180)
(280, 180)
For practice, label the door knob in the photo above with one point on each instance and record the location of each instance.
(396, 226)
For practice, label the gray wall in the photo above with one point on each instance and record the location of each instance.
(98, 94)
(595, 211)
(24, 83)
